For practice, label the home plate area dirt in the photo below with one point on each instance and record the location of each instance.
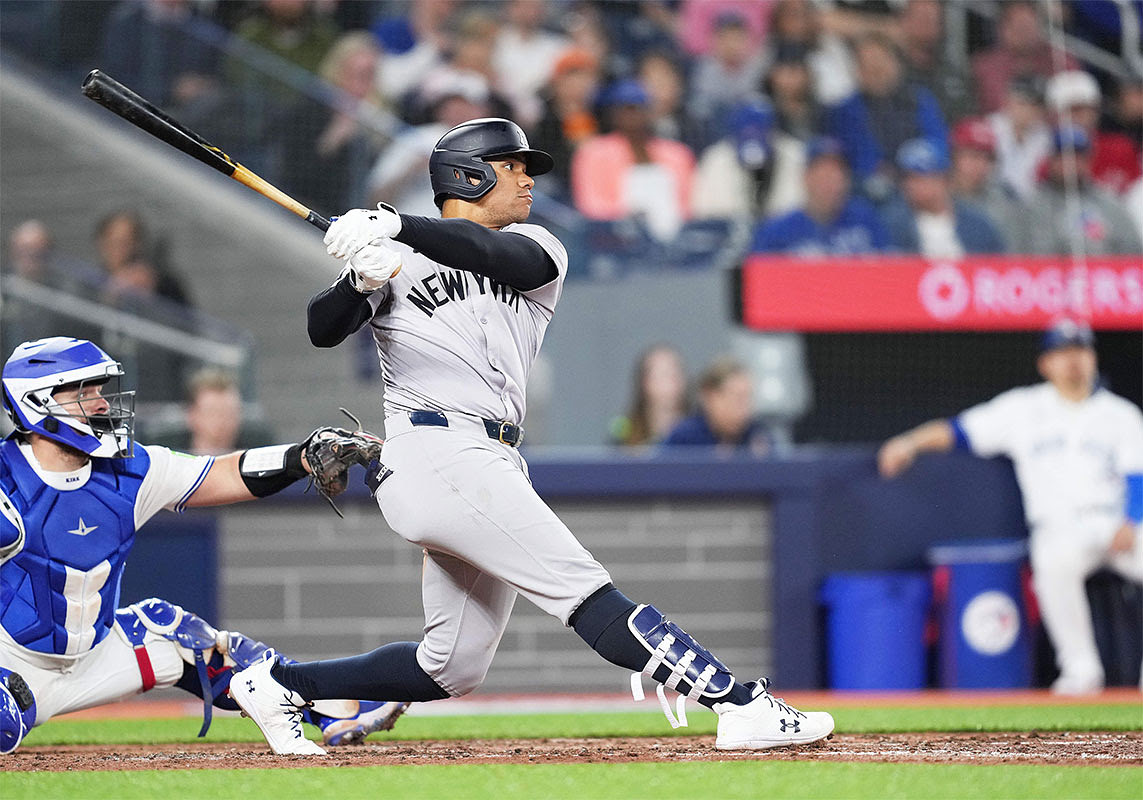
(1090, 749)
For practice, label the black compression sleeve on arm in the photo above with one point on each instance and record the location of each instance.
(507, 257)
(336, 312)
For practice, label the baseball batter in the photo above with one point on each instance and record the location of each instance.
(74, 489)
(458, 307)
(1078, 454)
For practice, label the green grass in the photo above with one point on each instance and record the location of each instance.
(724, 781)
(533, 726)
(622, 781)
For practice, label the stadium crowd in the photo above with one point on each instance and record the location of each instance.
(826, 127)
(806, 128)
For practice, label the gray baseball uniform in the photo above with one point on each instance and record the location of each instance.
(456, 347)
(458, 343)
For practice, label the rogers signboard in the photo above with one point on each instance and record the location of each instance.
(906, 293)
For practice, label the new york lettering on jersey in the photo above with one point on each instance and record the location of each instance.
(433, 291)
(453, 340)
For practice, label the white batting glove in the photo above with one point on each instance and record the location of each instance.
(359, 227)
(372, 266)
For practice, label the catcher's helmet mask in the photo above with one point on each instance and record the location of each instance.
(38, 370)
(118, 409)
(462, 155)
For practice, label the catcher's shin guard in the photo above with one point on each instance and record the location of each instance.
(212, 657)
(676, 662)
(17, 710)
(196, 639)
(235, 652)
(213, 654)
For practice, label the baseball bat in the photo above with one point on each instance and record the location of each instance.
(117, 98)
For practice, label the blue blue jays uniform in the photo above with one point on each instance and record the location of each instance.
(64, 541)
(65, 536)
(60, 589)
(59, 593)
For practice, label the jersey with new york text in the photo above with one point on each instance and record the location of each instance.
(65, 538)
(452, 340)
(1071, 459)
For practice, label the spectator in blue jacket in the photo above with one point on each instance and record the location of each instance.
(885, 112)
(927, 219)
(726, 413)
(833, 222)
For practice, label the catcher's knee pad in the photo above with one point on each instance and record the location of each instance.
(677, 661)
(189, 631)
(17, 710)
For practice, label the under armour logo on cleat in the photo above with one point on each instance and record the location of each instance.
(795, 726)
(250, 687)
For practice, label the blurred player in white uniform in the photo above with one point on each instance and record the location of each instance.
(458, 307)
(74, 489)
(1078, 454)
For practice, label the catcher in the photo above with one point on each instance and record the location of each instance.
(74, 489)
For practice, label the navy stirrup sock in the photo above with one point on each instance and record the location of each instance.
(389, 673)
(601, 621)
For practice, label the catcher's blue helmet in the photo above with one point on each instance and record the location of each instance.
(37, 369)
(464, 151)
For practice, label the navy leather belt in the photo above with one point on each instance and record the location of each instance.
(503, 432)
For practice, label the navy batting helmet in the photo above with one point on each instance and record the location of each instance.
(464, 151)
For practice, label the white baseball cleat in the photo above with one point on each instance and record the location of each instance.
(276, 710)
(767, 721)
(371, 718)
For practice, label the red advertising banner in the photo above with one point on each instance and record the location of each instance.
(911, 294)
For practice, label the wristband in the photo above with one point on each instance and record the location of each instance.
(960, 438)
(266, 470)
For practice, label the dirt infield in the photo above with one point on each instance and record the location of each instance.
(1089, 749)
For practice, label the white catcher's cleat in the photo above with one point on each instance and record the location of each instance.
(371, 718)
(276, 710)
(767, 721)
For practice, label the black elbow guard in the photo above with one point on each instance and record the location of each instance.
(266, 470)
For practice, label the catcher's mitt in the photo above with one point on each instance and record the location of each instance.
(330, 452)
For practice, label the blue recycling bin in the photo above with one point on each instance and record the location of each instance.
(984, 638)
(876, 629)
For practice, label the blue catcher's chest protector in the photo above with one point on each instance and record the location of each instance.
(59, 591)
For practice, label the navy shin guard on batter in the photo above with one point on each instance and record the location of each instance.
(677, 662)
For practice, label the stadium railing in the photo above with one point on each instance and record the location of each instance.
(157, 355)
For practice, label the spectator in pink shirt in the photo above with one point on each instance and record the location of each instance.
(631, 173)
(697, 21)
(1021, 51)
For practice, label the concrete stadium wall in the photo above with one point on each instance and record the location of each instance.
(317, 587)
(735, 549)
